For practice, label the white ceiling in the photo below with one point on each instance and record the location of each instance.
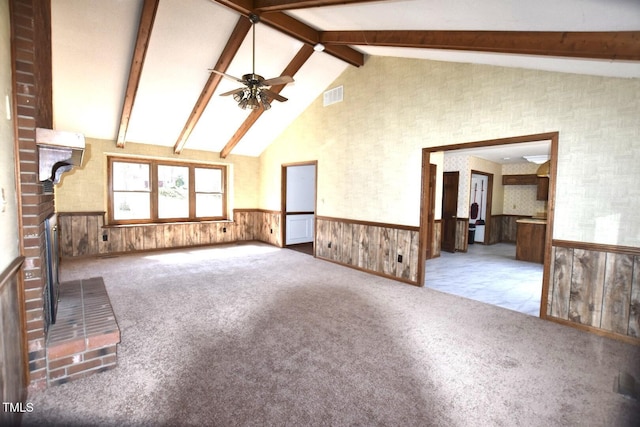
(508, 153)
(93, 43)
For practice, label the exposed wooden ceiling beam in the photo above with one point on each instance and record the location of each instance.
(296, 63)
(231, 48)
(621, 45)
(300, 31)
(282, 5)
(147, 18)
(296, 29)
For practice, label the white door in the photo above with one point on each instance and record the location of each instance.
(301, 200)
(299, 229)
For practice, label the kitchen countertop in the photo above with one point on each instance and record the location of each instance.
(532, 221)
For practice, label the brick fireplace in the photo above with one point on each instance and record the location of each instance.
(77, 344)
(31, 68)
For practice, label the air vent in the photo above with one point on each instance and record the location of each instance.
(333, 96)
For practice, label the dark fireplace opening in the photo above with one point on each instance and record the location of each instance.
(52, 283)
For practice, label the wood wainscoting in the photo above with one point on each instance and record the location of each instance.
(596, 287)
(372, 247)
(505, 228)
(13, 357)
(82, 233)
(462, 234)
(436, 235)
(502, 230)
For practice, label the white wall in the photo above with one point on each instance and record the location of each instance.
(9, 239)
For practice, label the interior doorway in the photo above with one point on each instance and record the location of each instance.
(480, 210)
(450, 182)
(430, 229)
(299, 206)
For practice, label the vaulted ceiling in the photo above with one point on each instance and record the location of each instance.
(138, 70)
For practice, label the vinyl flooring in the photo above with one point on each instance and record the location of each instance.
(490, 274)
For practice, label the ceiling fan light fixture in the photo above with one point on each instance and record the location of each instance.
(265, 101)
(253, 103)
(319, 47)
(255, 94)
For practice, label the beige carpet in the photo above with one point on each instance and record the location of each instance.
(254, 335)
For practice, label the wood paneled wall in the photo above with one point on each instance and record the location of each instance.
(495, 231)
(372, 247)
(435, 238)
(81, 233)
(12, 366)
(462, 234)
(509, 227)
(597, 286)
(503, 229)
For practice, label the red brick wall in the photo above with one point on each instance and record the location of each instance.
(31, 42)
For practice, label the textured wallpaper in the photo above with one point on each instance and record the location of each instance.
(460, 163)
(85, 189)
(521, 199)
(368, 147)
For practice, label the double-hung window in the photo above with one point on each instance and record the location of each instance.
(149, 190)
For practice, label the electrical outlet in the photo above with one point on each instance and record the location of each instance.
(329, 246)
(399, 258)
(224, 229)
(105, 237)
(271, 231)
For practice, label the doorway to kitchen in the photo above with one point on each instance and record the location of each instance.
(299, 206)
(480, 210)
(432, 228)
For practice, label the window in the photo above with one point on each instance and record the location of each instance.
(147, 191)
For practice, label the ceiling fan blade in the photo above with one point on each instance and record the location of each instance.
(233, 92)
(227, 75)
(274, 95)
(282, 80)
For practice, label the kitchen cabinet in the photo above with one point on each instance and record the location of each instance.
(543, 188)
(529, 179)
(530, 237)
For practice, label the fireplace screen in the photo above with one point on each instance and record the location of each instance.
(51, 289)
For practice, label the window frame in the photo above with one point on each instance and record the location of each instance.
(153, 180)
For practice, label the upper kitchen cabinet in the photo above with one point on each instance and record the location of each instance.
(542, 183)
(543, 188)
(527, 179)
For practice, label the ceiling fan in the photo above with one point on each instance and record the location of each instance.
(255, 94)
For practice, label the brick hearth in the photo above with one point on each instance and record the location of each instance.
(84, 339)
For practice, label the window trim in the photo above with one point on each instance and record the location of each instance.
(153, 178)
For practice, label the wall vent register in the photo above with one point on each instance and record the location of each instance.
(332, 96)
